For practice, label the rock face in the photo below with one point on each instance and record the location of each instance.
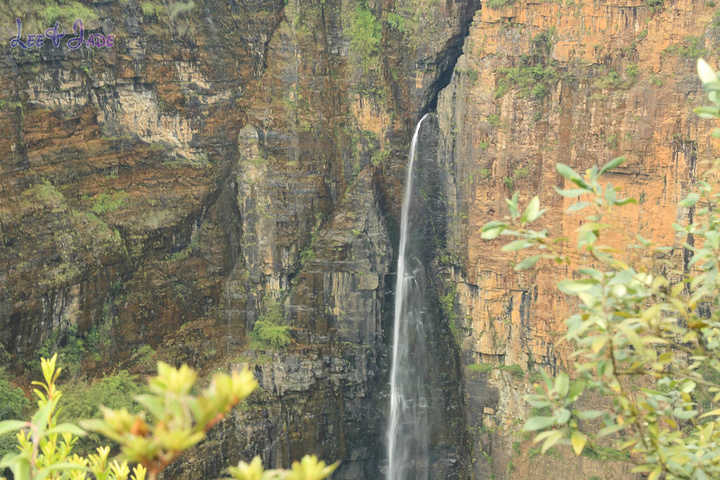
(228, 159)
(538, 84)
(221, 162)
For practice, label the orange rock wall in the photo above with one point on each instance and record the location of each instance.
(495, 144)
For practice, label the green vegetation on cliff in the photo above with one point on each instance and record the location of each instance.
(13, 404)
(268, 331)
(365, 34)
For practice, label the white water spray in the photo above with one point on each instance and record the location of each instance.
(407, 433)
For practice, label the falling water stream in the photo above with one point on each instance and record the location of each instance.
(408, 432)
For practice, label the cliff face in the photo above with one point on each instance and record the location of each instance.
(222, 163)
(577, 83)
(230, 160)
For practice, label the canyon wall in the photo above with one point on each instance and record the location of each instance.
(576, 83)
(226, 162)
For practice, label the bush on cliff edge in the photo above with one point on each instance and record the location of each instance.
(174, 420)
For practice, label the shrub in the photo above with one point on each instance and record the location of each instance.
(632, 71)
(692, 47)
(521, 173)
(610, 80)
(71, 347)
(13, 404)
(82, 400)
(149, 9)
(106, 202)
(509, 183)
(175, 421)
(268, 332)
(472, 75)
(497, 4)
(515, 370)
(180, 8)
(529, 80)
(612, 141)
(269, 335)
(396, 22)
(67, 13)
(365, 36)
(43, 195)
(480, 367)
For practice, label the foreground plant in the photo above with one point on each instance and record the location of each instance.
(175, 421)
(647, 334)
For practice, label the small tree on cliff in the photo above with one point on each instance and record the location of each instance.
(646, 334)
(175, 421)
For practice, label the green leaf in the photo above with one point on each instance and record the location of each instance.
(576, 286)
(576, 389)
(633, 337)
(537, 423)
(543, 404)
(712, 413)
(493, 224)
(707, 112)
(623, 277)
(578, 206)
(552, 440)
(684, 414)
(512, 204)
(532, 211)
(609, 430)
(11, 425)
(566, 171)
(706, 72)
(562, 384)
(572, 193)
(20, 466)
(711, 86)
(41, 418)
(690, 200)
(615, 162)
(591, 272)
(492, 230)
(67, 428)
(563, 417)
(588, 414)
(155, 405)
(491, 234)
(527, 263)
(592, 227)
(516, 245)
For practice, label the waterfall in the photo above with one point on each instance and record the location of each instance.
(408, 432)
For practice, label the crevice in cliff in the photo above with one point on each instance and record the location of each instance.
(448, 57)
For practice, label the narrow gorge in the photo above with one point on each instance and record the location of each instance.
(223, 187)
